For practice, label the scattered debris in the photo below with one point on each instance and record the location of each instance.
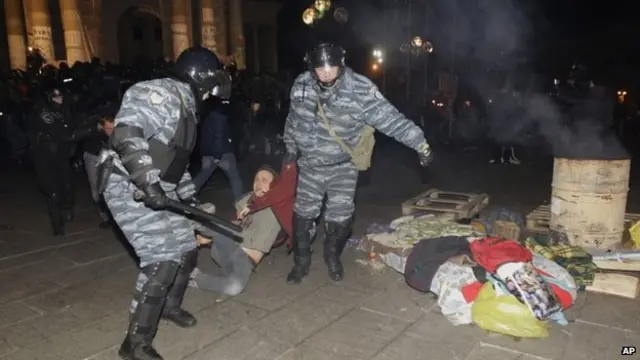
(616, 284)
(374, 264)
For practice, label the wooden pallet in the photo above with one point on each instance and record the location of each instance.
(460, 205)
(538, 220)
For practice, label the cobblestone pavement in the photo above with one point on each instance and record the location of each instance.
(66, 298)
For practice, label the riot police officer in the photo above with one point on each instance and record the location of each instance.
(152, 141)
(52, 148)
(331, 107)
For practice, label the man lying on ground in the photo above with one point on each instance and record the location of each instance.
(265, 215)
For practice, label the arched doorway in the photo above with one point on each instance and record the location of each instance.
(139, 36)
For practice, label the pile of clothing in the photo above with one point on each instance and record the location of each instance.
(394, 242)
(513, 287)
(500, 285)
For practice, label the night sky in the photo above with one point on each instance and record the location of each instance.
(563, 21)
(563, 18)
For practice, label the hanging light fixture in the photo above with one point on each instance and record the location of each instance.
(428, 47)
(416, 41)
(341, 15)
(322, 5)
(309, 16)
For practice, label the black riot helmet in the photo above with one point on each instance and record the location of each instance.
(202, 69)
(325, 55)
(53, 92)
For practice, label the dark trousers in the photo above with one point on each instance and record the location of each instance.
(503, 153)
(54, 177)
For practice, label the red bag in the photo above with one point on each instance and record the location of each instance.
(492, 252)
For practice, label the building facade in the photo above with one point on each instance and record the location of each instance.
(128, 31)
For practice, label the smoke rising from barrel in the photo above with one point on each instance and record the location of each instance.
(489, 34)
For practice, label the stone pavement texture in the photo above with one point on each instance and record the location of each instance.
(66, 298)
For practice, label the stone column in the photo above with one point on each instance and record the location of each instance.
(73, 40)
(209, 29)
(90, 12)
(220, 20)
(26, 8)
(273, 41)
(15, 34)
(179, 27)
(236, 28)
(255, 44)
(41, 28)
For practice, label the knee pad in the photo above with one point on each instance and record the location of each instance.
(160, 277)
(189, 261)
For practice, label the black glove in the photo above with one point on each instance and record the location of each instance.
(192, 201)
(425, 155)
(154, 197)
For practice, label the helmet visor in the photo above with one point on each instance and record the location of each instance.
(222, 85)
(325, 57)
(215, 83)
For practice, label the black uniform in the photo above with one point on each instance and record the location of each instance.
(52, 146)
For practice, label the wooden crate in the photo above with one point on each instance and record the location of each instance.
(538, 220)
(435, 201)
(506, 229)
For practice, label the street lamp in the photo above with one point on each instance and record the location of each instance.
(416, 47)
(309, 16)
(341, 15)
(378, 57)
(316, 11)
(322, 5)
(416, 42)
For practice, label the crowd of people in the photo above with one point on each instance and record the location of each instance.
(94, 89)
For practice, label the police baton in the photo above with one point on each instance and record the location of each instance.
(211, 221)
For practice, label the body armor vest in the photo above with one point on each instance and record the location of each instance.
(173, 159)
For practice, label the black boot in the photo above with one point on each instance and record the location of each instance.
(498, 155)
(336, 238)
(172, 309)
(302, 236)
(56, 215)
(143, 323)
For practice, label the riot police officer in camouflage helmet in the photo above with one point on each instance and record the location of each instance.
(151, 144)
(331, 108)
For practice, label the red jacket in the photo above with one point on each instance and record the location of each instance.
(280, 199)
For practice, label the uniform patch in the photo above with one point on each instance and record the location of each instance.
(156, 98)
(297, 94)
(47, 118)
(145, 160)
